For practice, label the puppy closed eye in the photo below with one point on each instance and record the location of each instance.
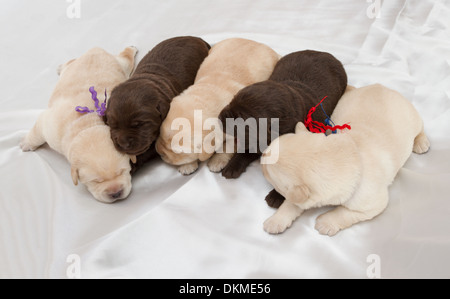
(136, 124)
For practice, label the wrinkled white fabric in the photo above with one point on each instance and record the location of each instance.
(204, 226)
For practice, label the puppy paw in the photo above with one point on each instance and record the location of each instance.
(216, 166)
(274, 199)
(134, 49)
(232, 171)
(218, 162)
(421, 144)
(276, 224)
(27, 147)
(326, 226)
(188, 169)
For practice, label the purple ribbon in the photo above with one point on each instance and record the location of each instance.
(100, 109)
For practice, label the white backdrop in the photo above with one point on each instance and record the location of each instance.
(203, 226)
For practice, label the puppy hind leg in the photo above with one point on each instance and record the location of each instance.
(421, 143)
(34, 138)
(126, 59)
(330, 223)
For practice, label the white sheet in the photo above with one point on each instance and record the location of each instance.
(204, 226)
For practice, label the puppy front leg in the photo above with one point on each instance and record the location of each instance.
(238, 164)
(218, 161)
(188, 169)
(283, 218)
(35, 138)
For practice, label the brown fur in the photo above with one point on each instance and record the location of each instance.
(138, 106)
(299, 81)
(231, 65)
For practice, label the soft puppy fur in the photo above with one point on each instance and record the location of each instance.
(84, 139)
(352, 169)
(299, 82)
(138, 106)
(231, 65)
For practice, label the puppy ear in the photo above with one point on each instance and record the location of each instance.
(74, 173)
(62, 67)
(163, 108)
(300, 127)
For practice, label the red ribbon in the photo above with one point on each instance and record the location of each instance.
(318, 127)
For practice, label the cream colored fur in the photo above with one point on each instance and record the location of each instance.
(230, 66)
(84, 139)
(352, 169)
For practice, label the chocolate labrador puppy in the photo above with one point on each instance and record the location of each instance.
(299, 82)
(137, 107)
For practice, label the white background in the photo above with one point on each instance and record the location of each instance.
(203, 226)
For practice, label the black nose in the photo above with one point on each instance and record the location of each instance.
(116, 195)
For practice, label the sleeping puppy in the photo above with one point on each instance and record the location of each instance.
(84, 139)
(138, 106)
(299, 82)
(352, 169)
(231, 65)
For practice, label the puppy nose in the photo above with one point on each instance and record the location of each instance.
(116, 195)
(125, 142)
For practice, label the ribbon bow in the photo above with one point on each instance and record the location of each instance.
(318, 127)
(100, 108)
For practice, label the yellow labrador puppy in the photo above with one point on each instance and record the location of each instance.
(187, 133)
(351, 169)
(84, 139)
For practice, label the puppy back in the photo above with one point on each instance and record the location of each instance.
(319, 73)
(377, 106)
(179, 56)
(96, 68)
(242, 60)
(384, 124)
(313, 68)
